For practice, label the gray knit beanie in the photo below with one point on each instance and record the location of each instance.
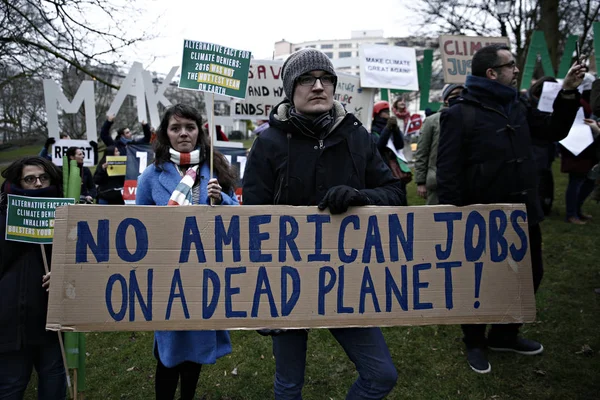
(301, 62)
(449, 88)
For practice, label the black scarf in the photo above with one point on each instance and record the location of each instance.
(8, 188)
(318, 127)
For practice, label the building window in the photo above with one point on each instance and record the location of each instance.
(345, 45)
(327, 46)
(383, 43)
(329, 54)
(312, 46)
(345, 54)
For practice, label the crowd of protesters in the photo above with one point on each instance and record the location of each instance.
(488, 144)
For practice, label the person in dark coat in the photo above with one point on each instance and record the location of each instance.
(24, 342)
(485, 157)
(109, 187)
(124, 135)
(315, 153)
(88, 188)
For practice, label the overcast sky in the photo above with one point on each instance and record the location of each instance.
(256, 25)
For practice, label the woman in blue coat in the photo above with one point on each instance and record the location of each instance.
(180, 176)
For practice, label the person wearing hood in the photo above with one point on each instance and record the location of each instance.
(124, 135)
(315, 153)
(485, 157)
(426, 155)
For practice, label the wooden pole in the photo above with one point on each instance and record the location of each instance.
(59, 333)
(211, 118)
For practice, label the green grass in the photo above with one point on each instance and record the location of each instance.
(7, 156)
(430, 359)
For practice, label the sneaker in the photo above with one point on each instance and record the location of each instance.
(585, 217)
(477, 360)
(519, 345)
(576, 221)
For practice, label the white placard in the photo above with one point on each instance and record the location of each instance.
(60, 147)
(388, 67)
(580, 135)
(549, 92)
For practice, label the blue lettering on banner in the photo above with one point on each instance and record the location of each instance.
(418, 285)
(191, 234)
(343, 256)
(117, 316)
(367, 287)
(498, 243)
(447, 266)
(288, 304)
(518, 254)
(229, 237)
(325, 288)
(85, 239)
(230, 291)
(391, 288)
(287, 240)
(341, 309)
(372, 239)
(134, 292)
(263, 286)
(474, 252)
(177, 285)
(448, 218)
(141, 236)
(208, 308)
(396, 233)
(319, 220)
(257, 237)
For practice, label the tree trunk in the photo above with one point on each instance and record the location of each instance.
(549, 25)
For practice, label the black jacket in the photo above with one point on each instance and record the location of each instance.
(109, 141)
(109, 187)
(485, 154)
(286, 166)
(23, 300)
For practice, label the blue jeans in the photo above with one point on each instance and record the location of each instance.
(578, 189)
(365, 347)
(16, 367)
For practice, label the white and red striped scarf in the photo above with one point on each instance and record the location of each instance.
(182, 195)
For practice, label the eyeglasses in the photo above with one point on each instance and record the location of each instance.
(309, 80)
(511, 65)
(30, 179)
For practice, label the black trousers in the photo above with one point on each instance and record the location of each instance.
(165, 381)
(474, 334)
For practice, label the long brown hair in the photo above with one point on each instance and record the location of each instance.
(224, 171)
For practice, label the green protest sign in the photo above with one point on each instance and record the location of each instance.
(209, 67)
(31, 219)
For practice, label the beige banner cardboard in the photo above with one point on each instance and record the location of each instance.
(457, 52)
(117, 268)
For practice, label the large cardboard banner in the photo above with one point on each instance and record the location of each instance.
(389, 67)
(117, 268)
(457, 53)
(265, 91)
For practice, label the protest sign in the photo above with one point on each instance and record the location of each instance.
(209, 67)
(60, 147)
(125, 269)
(549, 92)
(31, 219)
(265, 91)
(116, 165)
(389, 67)
(580, 136)
(457, 52)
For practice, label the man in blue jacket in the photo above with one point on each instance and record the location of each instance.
(485, 156)
(315, 153)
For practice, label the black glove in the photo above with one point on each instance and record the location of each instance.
(49, 142)
(95, 147)
(270, 332)
(339, 198)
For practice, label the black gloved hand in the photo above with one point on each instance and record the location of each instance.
(49, 142)
(270, 332)
(94, 145)
(339, 198)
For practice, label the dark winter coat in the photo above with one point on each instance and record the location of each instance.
(286, 166)
(120, 144)
(109, 187)
(487, 158)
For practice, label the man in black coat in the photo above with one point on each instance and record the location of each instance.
(315, 153)
(485, 157)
